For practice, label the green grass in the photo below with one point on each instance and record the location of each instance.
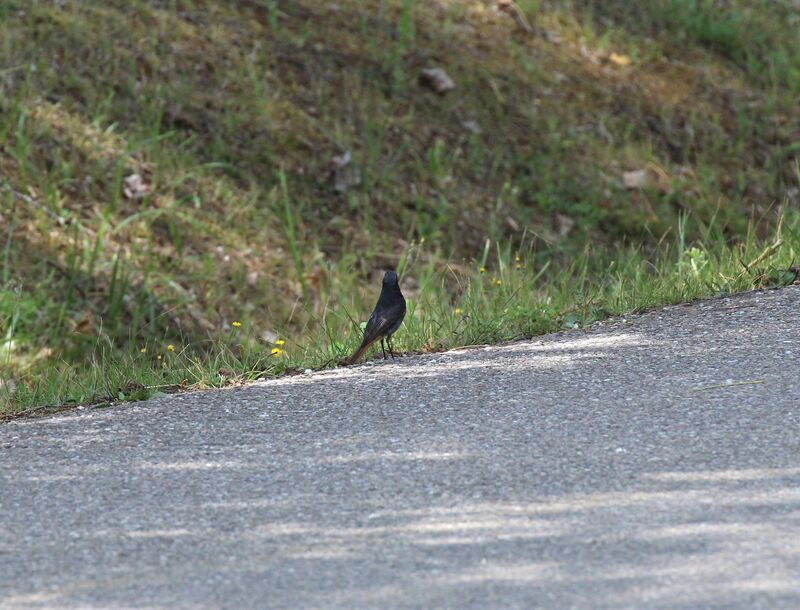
(233, 112)
(511, 297)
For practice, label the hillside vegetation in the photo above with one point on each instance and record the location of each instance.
(194, 192)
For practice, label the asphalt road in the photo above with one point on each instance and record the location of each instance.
(650, 463)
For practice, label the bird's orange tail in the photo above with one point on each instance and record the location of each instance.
(360, 351)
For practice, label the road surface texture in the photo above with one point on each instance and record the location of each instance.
(649, 463)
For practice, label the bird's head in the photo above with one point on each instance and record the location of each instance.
(390, 278)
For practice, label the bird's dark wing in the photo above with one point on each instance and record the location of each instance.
(384, 321)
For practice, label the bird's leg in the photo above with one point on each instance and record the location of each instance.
(389, 343)
(382, 349)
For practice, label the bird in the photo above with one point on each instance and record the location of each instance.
(385, 319)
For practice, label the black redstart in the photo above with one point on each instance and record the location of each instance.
(385, 319)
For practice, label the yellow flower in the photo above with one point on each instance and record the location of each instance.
(496, 282)
(236, 324)
(517, 259)
(143, 350)
(518, 266)
(280, 342)
(158, 357)
(276, 351)
(457, 311)
(482, 270)
(170, 348)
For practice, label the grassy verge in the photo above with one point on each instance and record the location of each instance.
(221, 176)
(507, 295)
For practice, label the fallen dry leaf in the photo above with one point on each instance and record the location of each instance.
(564, 224)
(620, 60)
(589, 54)
(344, 173)
(133, 187)
(86, 324)
(471, 126)
(515, 12)
(437, 80)
(269, 336)
(636, 179)
(132, 386)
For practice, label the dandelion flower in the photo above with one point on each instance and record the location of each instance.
(482, 270)
(236, 324)
(457, 311)
(517, 259)
(143, 350)
(170, 348)
(280, 342)
(496, 281)
(277, 352)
